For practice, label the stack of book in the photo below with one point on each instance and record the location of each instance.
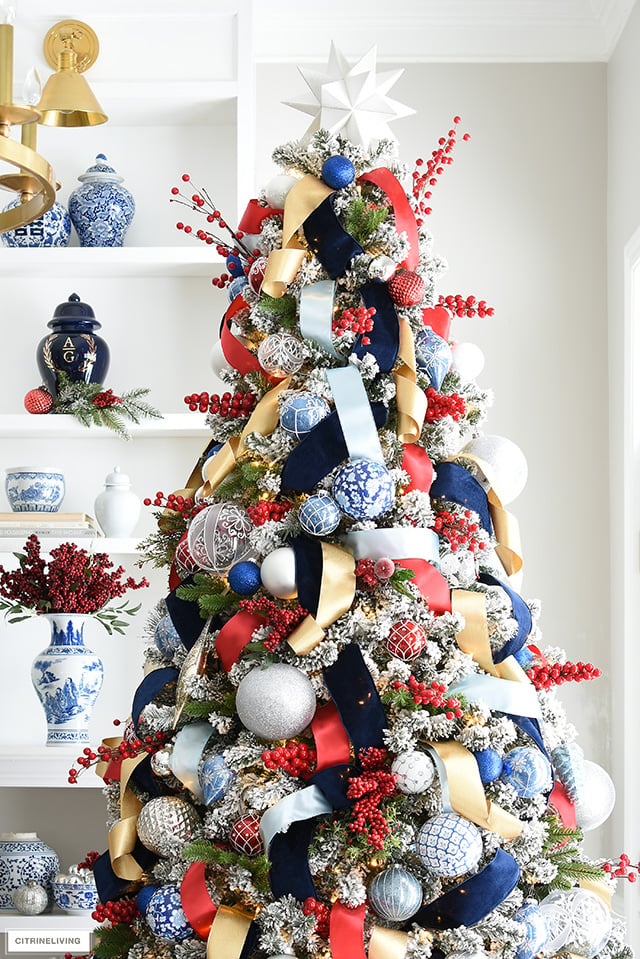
(48, 524)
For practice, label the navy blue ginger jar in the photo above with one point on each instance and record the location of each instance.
(73, 347)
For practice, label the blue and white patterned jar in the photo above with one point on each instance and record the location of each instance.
(67, 677)
(23, 856)
(53, 228)
(75, 892)
(101, 209)
(34, 489)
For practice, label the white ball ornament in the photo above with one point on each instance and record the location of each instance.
(278, 573)
(276, 702)
(578, 922)
(277, 190)
(217, 359)
(508, 464)
(414, 771)
(596, 803)
(467, 360)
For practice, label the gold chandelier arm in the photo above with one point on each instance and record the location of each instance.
(31, 163)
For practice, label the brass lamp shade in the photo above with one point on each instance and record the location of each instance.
(67, 101)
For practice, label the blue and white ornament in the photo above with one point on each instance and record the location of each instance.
(433, 356)
(212, 452)
(319, 515)
(489, 764)
(338, 171)
(300, 412)
(395, 894)
(536, 930)
(215, 778)
(568, 762)
(236, 287)
(449, 845)
(528, 770)
(143, 897)
(524, 656)
(166, 637)
(165, 915)
(244, 578)
(364, 489)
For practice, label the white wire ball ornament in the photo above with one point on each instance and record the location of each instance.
(598, 798)
(219, 537)
(281, 354)
(578, 922)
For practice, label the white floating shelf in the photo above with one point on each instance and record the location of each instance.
(178, 103)
(48, 766)
(123, 261)
(59, 921)
(93, 544)
(59, 426)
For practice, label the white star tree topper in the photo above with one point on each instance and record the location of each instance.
(351, 99)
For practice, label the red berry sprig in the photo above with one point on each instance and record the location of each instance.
(106, 398)
(201, 202)
(622, 869)
(458, 530)
(124, 910)
(127, 749)
(89, 860)
(375, 783)
(546, 675)
(438, 160)
(466, 305)
(313, 907)
(231, 405)
(440, 405)
(179, 504)
(433, 697)
(297, 759)
(282, 621)
(265, 510)
(359, 320)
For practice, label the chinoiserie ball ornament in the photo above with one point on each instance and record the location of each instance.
(278, 573)
(185, 562)
(395, 894)
(276, 702)
(578, 922)
(165, 915)
(569, 764)
(166, 637)
(256, 273)
(414, 771)
(382, 267)
(281, 354)
(215, 778)
(218, 537)
(528, 771)
(143, 897)
(338, 171)
(536, 930)
(490, 764)
(300, 412)
(277, 190)
(467, 360)
(38, 401)
(449, 845)
(364, 489)
(406, 288)
(319, 515)
(406, 639)
(211, 452)
(507, 462)
(433, 356)
(30, 899)
(596, 803)
(166, 823)
(244, 578)
(245, 836)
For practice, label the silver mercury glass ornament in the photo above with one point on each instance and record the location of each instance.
(30, 899)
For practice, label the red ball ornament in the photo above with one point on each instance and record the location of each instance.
(406, 288)
(256, 273)
(38, 401)
(184, 559)
(245, 836)
(406, 639)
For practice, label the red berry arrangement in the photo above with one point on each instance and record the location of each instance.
(547, 675)
(433, 697)
(238, 404)
(356, 321)
(466, 306)
(89, 860)
(179, 504)
(282, 621)
(106, 398)
(459, 530)
(622, 869)
(422, 179)
(297, 759)
(124, 910)
(366, 577)
(127, 749)
(312, 907)
(374, 784)
(440, 405)
(264, 511)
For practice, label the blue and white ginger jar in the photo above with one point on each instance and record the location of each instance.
(101, 208)
(23, 856)
(53, 228)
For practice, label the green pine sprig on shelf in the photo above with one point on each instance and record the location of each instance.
(363, 219)
(203, 851)
(211, 593)
(114, 942)
(92, 405)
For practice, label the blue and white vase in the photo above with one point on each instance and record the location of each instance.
(22, 857)
(67, 677)
(53, 228)
(101, 209)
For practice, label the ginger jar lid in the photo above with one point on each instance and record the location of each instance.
(101, 170)
(117, 479)
(74, 313)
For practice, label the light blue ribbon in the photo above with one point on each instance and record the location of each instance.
(503, 695)
(186, 755)
(399, 542)
(444, 779)
(304, 804)
(354, 413)
(316, 313)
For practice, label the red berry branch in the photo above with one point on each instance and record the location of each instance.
(89, 860)
(127, 749)
(313, 907)
(546, 675)
(238, 404)
(124, 910)
(374, 784)
(466, 305)
(265, 510)
(179, 504)
(440, 405)
(106, 398)
(622, 869)
(433, 697)
(297, 759)
(282, 621)
(359, 320)
(458, 530)
(439, 159)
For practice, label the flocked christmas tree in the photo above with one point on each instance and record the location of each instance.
(347, 742)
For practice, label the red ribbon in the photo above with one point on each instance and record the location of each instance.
(563, 805)
(174, 578)
(332, 742)
(236, 355)
(439, 319)
(196, 901)
(235, 635)
(404, 215)
(416, 462)
(431, 584)
(346, 932)
(253, 216)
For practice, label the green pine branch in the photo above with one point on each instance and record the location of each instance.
(211, 593)
(282, 309)
(202, 851)
(363, 219)
(77, 399)
(114, 942)
(200, 708)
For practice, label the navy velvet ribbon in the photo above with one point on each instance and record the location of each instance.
(473, 899)
(109, 885)
(185, 616)
(521, 614)
(142, 777)
(356, 697)
(308, 554)
(320, 451)
(149, 688)
(532, 728)
(385, 336)
(456, 484)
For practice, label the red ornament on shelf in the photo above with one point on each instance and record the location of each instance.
(245, 836)
(406, 288)
(38, 401)
(406, 639)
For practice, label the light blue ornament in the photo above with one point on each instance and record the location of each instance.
(536, 929)
(302, 411)
(53, 228)
(166, 637)
(234, 265)
(364, 489)
(449, 845)
(568, 762)
(395, 894)
(165, 915)
(215, 778)
(528, 770)
(489, 764)
(338, 171)
(433, 356)
(236, 287)
(319, 515)
(244, 578)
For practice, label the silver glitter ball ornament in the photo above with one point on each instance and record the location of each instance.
(277, 702)
(31, 898)
(161, 761)
(382, 267)
(165, 824)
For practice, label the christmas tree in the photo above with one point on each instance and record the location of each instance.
(348, 741)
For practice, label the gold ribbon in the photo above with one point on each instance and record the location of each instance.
(337, 589)
(228, 933)
(123, 836)
(387, 943)
(466, 791)
(411, 401)
(282, 265)
(473, 638)
(263, 420)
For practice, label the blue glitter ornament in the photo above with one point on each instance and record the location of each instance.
(319, 515)
(236, 287)
(364, 489)
(433, 356)
(536, 929)
(338, 172)
(165, 915)
(489, 764)
(215, 777)
(395, 894)
(244, 578)
(568, 761)
(234, 265)
(143, 897)
(166, 637)
(449, 845)
(528, 770)
(302, 411)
